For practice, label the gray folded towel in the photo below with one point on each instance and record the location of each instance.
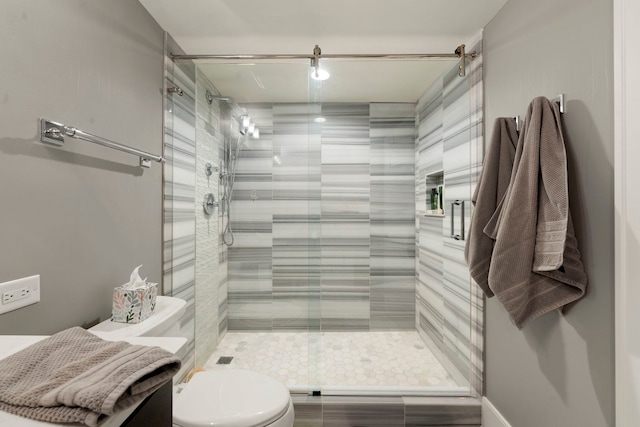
(76, 377)
(535, 264)
(491, 188)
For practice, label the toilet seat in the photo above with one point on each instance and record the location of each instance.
(230, 398)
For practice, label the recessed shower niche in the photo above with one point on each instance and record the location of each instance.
(434, 195)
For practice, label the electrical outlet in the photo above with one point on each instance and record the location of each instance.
(16, 294)
(19, 293)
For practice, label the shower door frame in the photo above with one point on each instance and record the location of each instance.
(476, 75)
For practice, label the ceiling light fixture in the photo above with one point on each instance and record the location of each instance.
(319, 74)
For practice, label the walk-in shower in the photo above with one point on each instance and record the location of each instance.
(325, 267)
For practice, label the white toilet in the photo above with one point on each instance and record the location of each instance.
(220, 398)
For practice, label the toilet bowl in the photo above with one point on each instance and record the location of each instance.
(222, 397)
(232, 398)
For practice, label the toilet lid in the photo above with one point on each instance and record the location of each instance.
(230, 398)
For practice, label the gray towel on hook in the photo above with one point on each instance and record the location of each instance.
(535, 265)
(76, 377)
(491, 188)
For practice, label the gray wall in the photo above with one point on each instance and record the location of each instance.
(559, 370)
(81, 216)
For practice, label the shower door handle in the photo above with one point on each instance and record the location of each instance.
(453, 230)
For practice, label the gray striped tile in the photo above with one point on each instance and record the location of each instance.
(449, 138)
(442, 411)
(250, 257)
(308, 410)
(392, 234)
(208, 140)
(345, 210)
(362, 411)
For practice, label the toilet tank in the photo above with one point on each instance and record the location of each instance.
(164, 322)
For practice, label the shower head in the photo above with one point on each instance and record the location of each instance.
(233, 104)
(246, 125)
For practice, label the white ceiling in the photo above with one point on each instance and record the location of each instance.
(338, 26)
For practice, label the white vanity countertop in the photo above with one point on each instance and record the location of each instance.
(10, 344)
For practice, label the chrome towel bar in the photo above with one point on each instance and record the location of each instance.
(54, 133)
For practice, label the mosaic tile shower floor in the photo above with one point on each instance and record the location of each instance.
(335, 359)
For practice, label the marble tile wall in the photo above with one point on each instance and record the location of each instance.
(448, 306)
(345, 217)
(296, 217)
(392, 234)
(312, 240)
(223, 252)
(179, 194)
(397, 411)
(249, 260)
(456, 164)
(429, 241)
(209, 138)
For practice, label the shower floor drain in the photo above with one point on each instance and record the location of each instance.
(224, 360)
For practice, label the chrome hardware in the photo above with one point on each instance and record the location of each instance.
(315, 61)
(209, 169)
(254, 195)
(54, 133)
(463, 57)
(51, 132)
(175, 89)
(453, 233)
(560, 100)
(209, 204)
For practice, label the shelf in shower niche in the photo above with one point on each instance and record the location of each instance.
(434, 186)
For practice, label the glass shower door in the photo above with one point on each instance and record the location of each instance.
(267, 260)
(315, 123)
(379, 330)
(460, 168)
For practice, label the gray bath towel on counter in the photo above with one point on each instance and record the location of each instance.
(535, 265)
(489, 193)
(76, 377)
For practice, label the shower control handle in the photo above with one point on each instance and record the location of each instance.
(209, 203)
(209, 169)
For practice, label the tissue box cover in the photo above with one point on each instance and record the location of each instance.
(134, 305)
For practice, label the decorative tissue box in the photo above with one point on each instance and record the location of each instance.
(133, 305)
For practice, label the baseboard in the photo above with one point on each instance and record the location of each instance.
(491, 417)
